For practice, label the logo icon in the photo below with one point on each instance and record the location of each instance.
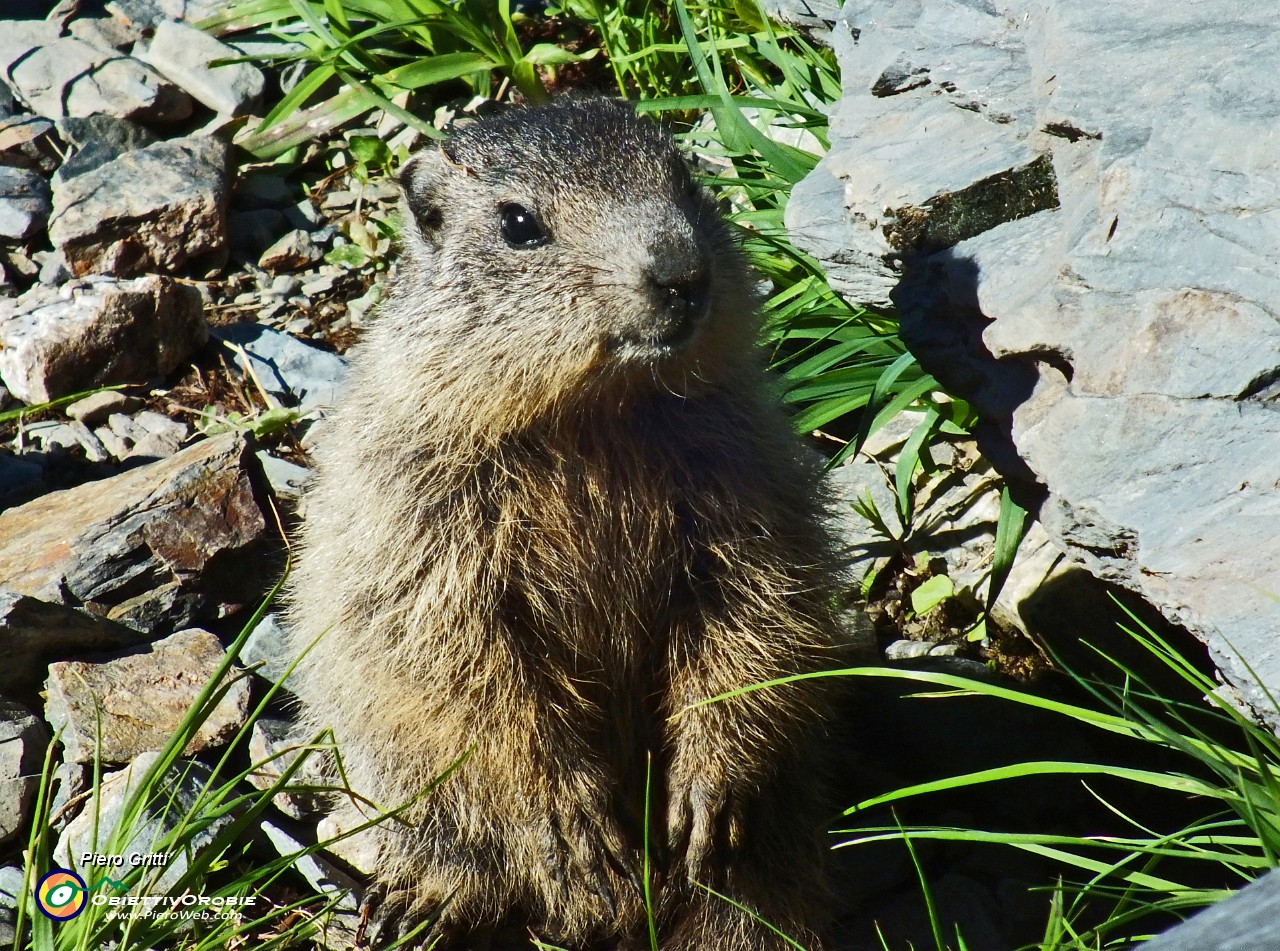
(61, 894)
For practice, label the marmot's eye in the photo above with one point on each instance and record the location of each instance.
(519, 226)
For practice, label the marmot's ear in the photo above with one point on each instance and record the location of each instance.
(422, 179)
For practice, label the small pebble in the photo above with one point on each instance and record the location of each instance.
(23, 265)
(94, 450)
(95, 409)
(115, 444)
(53, 267)
(160, 425)
(50, 435)
(286, 478)
(318, 286)
(907, 650)
(124, 427)
(295, 250)
(272, 310)
(335, 200)
(304, 215)
(152, 446)
(285, 284)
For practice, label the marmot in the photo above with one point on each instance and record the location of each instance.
(559, 507)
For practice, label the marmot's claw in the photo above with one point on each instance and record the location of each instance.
(704, 832)
(591, 855)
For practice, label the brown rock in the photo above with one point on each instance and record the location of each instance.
(95, 409)
(163, 543)
(152, 209)
(132, 704)
(55, 341)
(29, 142)
(294, 251)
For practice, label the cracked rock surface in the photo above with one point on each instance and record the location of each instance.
(131, 704)
(55, 341)
(156, 543)
(1073, 208)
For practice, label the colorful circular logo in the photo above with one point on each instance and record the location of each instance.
(61, 894)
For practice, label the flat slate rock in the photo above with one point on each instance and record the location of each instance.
(186, 55)
(294, 372)
(137, 700)
(162, 544)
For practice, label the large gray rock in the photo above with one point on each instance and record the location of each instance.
(152, 209)
(1072, 207)
(186, 55)
(23, 740)
(63, 76)
(120, 708)
(1247, 921)
(162, 544)
(55, 341)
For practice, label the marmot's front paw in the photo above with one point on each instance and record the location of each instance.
(588, 852)
(704, 830)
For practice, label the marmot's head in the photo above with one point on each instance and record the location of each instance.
(566, 245)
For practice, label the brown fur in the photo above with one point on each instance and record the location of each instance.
(539, 533)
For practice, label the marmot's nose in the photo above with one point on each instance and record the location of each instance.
(683, 294)
(681, 298)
